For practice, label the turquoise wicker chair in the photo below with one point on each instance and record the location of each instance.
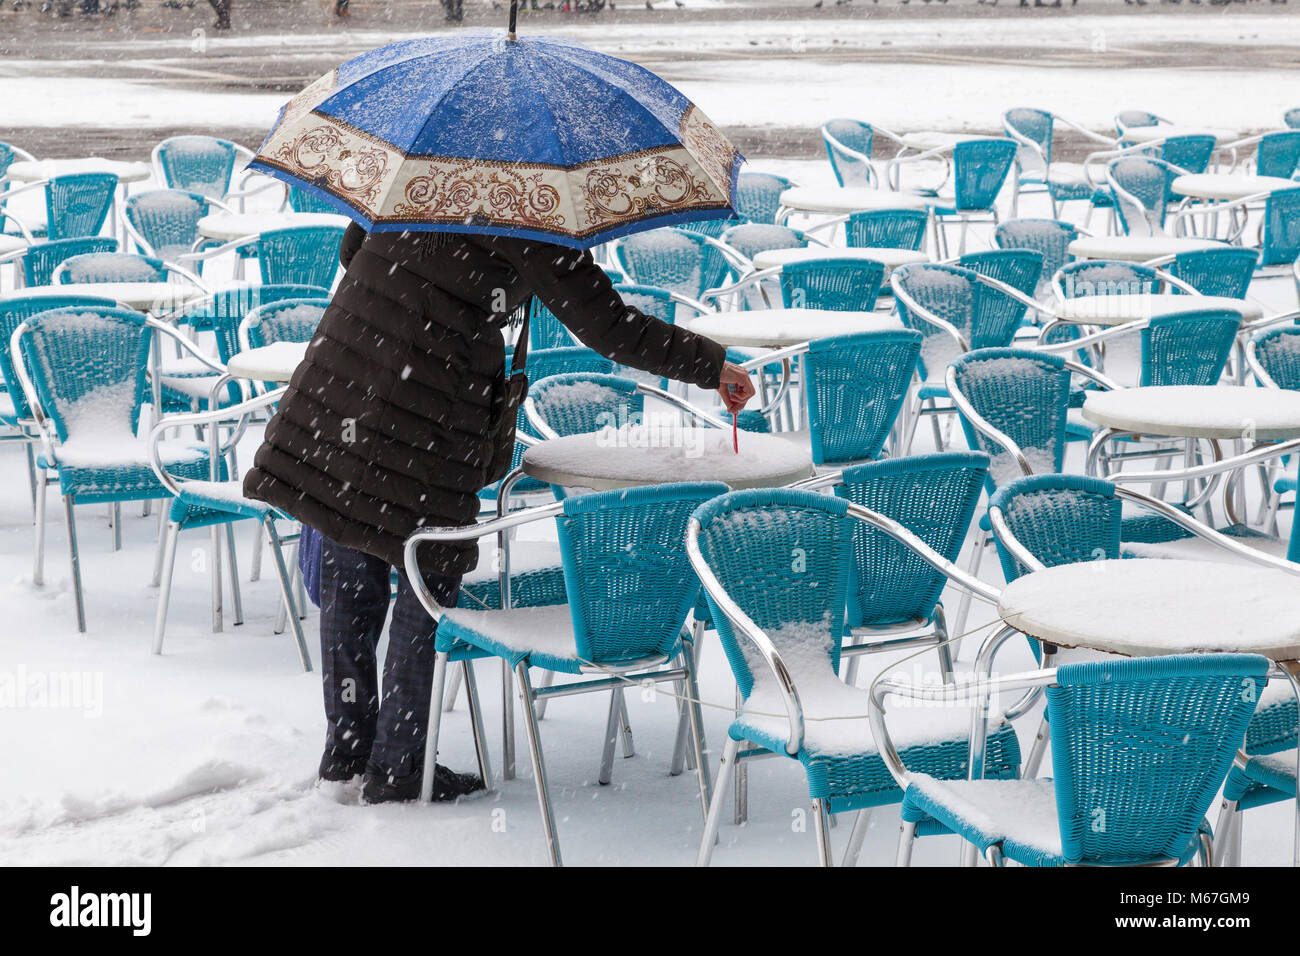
(848, 147)
(1253, 781)
(1190, 154)
(1050, 238)
(83, 374)
(302, 255)
(41, 259)
(886, 229)
(545, 330)
(752, 238)
(1292, 118)
(1225, 272)
(1278, 154)
(165, 222)
(758, 196)
(77, 205)
(1139, 750)
(285, 320)
(1125, 119)
(300, 200)
(630, 589)
(783, 639)
(673, 259)
(1280, 245)
(1019, 268)
(197, 164)
(1141, 186)
(855, 386)
(578, 403)
(1105, 277)
(1036, 171)
(979, 169)
(713, 228)
(842, 285)
(1188, 348)
(110, 267)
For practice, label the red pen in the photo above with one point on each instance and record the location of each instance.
(735, 426)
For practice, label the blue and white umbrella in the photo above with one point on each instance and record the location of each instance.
(485, 133)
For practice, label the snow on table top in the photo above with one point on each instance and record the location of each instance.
(1228, 186)
(775, 328)
(1137, 248)
(270, 363)
(1198, 411)
(934, 139)
(28, 171)
(145, 296)
(892, 258)
(1122, 307)
(225, 226)
(666, 452)
(1144, 134)
(847, 199)
(1142, 607)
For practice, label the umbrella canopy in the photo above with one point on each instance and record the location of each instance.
(480, 132)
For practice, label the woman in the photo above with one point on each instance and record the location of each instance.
(387, 426)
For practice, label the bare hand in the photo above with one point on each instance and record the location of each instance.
(735, 387)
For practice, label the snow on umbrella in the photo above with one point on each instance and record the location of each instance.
(484, 132)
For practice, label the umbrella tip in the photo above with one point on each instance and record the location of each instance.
(514, 18)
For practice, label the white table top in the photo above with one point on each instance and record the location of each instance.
(650, 454)
(270, 363)
(26, 171)
(848, 199)
(144, 296)
(936, 139)
(1149, 607)
(777, 328)
(1137, 248)
(1119, 308)
(1228, 186)
(892, 258)
(226, 226)
(1198, 411)
(1145, 134)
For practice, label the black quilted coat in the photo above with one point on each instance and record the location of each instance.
(385, 425)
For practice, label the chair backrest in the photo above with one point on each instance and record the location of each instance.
(88, 367)
(855, 386)
(168, 220)
(1277, 350)
(846, 285)
(1019, 268)
(545, 330)
(197, 164)
(285, 320)
(887, 229)
(223, 311)
(1036, 126)
(1059, 519)
(1126, 119)
(652, 301)
(40, 259)
(77, 205)
(1188, 348)
(672, 259)
(979, 168)
(1025, 395)
(1140, 185)
(985, 316)
(843, 139)
(302, 200)
(758, 196)
(1281, 228)
(1141, 747)
(543, 363)
(304, 255)
(15, 311)
(110, 267)
(1225, 271)
(1278, 154)
(1050, 238)
(784, 557)
(1292, 118)
(629, 581)
(1189, 153)
(1107, 277)
(752, 238)
(713, 228)
(578, 403)
(934, 497)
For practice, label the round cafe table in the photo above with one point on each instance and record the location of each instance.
(153, 297)
(844, 200)
(27, 171)
(1226, 187)
(649, 454)
(778, 328)
(1151, 607)
(1121, 308)
(1197, 411)
(892, 258)
(270, 363)
(1145, 134)
(929, 139)
(1137, 248)
(228, 226)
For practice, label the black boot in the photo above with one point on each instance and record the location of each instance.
(447, 785)
(336, 768)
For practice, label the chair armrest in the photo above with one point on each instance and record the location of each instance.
(678, 402)
(44, 427)
(220, 250)
(901, 295)
(981, 424)
(210, 417)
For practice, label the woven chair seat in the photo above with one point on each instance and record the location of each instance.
(203, 503)
(88, 475)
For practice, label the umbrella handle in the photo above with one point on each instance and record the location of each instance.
(514, 18)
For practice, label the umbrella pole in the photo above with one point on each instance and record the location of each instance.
(514, 19)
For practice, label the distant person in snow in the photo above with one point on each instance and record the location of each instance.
(223, 14)
(455, 10)
(391, 423)
(341, 8)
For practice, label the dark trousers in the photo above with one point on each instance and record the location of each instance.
(387, 727)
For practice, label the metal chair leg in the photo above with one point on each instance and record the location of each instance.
(286, 593)
(822, 829)
(861, 823)
(156, 579)
(255, 561)
(116, 508)
(453, 690)
(1206, 850)
(994, 855)
(547, 679)
(906, 836)
(214, 558)
(982, 539)
(1227, 830)
(611, 739)
(625, 724)
(539, 764)
(76, 563)
(38, 556)
(741, 812)
(714, 818)
(434, 726)
(237, 599)
(167, 567)
(699, 746)
(31, 474)
(475, 707)
(507, 723)
(1038, 749)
